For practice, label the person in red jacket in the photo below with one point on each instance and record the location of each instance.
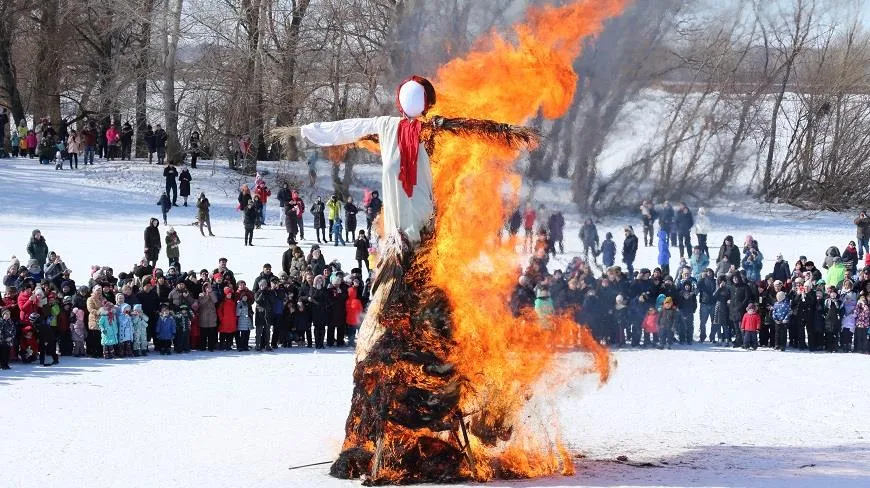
(263, 193)
(113, 138)
(226, 312)
(28, 347)
(529, 226)
(749, 325)
(353, 314)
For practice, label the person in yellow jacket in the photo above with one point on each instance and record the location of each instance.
(333, 211)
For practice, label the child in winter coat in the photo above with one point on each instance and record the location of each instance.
(862, 325)
(227, 321)
(165, 331)
(650, 327)
(353, 311)
(781, 313)
(621, 321)
(608, 250)
(165, 206)
(850, 302)
(833, 311)
(78, 332)
(108, 331)
(31, 144)
(667, 323)
(28, 346)
(14, 143)
(337, 232)
(543, 302)
(7, 335)
(125, 330)
(243, 323)
(183, 318)
(750, 324)
(687, 303)
(140, 331)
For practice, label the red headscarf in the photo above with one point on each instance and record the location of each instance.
(409, 136)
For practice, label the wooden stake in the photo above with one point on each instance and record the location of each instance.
(467, 448)
(379, 452)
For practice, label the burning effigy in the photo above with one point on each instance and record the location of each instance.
(444, 370)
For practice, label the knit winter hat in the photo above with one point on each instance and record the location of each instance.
(668, 301)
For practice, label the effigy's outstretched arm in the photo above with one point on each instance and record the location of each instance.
(514, 136)
(332, 133)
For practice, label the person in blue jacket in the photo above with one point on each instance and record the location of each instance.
(664, 257)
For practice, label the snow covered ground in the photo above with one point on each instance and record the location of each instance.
(695, 417)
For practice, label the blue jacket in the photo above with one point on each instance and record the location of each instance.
(166, 328)
(608, 252)
(664, 250)
(781, 311)
(698, 263)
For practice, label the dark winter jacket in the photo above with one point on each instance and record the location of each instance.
(150, 143)
(202, 206)
(350, 211)
(160, 139)
(863, 227)
(732, 255)
(667, 217)
(362, 248)
(184, 186)
(684, 221)
(152, 236)
(781, 271)
(283, 195)
(37, 249)
(706, 290)
(556, 225)
(170, 173)
(608, 252)
(629, 249)
(740, 298)
(589, 234)
(317, 210)
(252, 215)
(373, 208)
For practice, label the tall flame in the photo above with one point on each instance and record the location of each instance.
(503, 357)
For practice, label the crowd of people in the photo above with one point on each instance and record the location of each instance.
(46, 314)
(313, 303)
(105, 139)
(805, 307)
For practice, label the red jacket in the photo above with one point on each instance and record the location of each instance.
(263, 193)
(651, 323)
(751, 322)
(112, 135)
(26, 307)
(32, 343)
(353, 308)
(226, 313)
(529, 219)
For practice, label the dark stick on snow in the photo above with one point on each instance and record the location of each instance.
(308, 465)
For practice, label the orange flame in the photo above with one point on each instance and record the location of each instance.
(504, 357)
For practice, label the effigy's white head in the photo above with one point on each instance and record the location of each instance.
(415, 96)
(412, 99)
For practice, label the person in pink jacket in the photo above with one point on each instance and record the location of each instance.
(112, 139)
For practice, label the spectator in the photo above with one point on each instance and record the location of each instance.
(171, 173)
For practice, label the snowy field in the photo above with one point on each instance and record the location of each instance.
(696, 417)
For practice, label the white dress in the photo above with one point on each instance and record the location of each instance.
(410, 215)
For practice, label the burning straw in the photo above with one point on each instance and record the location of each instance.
(439, 396)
